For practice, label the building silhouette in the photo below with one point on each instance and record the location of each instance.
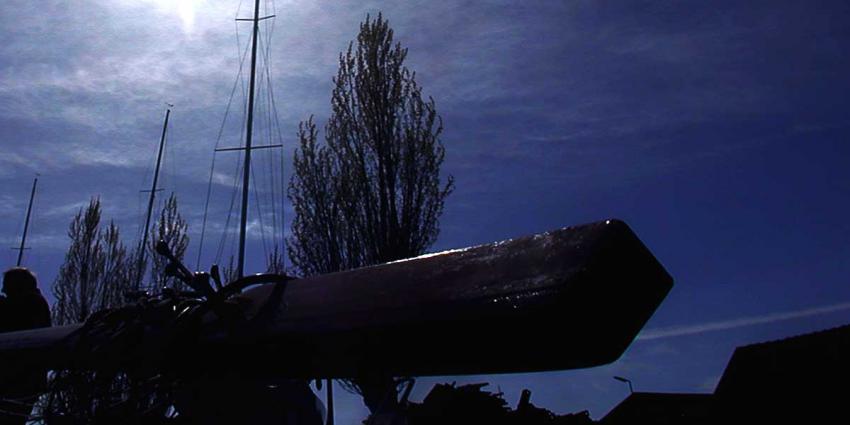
(801, 378)
(661, 408)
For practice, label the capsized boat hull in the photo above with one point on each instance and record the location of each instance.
(566, 299)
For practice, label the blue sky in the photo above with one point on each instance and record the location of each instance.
(717, 130)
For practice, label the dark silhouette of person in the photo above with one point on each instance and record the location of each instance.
(22, 308)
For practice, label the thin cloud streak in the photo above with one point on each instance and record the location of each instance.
(676, 331)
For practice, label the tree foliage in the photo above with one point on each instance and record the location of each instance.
(97, 270)
(275, 261)
(172, 228)
(372, 192)
(97, 273)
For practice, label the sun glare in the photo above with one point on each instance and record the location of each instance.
(184, 9)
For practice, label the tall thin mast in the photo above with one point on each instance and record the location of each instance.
(26, 224)
(142, 243)
(246, 172)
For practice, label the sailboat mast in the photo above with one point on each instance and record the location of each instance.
(26, 224)
(246, 171)
(139, 271)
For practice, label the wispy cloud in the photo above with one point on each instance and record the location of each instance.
(66, 210)
(675, 331)
(41, 241)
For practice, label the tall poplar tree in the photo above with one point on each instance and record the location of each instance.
(97, 270)
(372, 192)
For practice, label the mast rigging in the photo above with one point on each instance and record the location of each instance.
(140, 273)
(26, 224)
(249, 134)
(253, 109)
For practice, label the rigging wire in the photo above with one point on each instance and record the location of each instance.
(263, 189)
(236, 176)
(272, 129)
(167, 179)
(263, 107)
(238, 172)
(212, 166)
(34, 258)
(260, 217)
(265, 110)
(171, 163)
(275, 127)
(141, 204)
(225, 232)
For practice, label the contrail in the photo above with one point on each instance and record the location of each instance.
(674, 331)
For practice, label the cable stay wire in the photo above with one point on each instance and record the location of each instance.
(237, 179)
(236, 82)
(226, 228)
(275, 129)
(168, 179)
(269, 176)
(34, 258)
(257, 183)
(272, 173)
(276, 125)
(148, 173)
(266, 188)
(171, 164)
(259, 212)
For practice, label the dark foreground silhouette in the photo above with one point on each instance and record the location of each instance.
(23, 307)
(471, 404)
(448, 313)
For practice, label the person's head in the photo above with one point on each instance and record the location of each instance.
(18, 280)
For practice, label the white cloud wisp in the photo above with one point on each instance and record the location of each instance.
(674, 331)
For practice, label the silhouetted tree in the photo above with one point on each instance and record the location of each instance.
(97, 268)
(275, 262)
(97, 271)
(372, 192)
(173, 229)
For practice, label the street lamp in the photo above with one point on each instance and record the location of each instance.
(621, 379)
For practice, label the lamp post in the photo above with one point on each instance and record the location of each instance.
(621, 379)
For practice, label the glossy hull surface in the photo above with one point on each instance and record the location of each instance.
(566, 299)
